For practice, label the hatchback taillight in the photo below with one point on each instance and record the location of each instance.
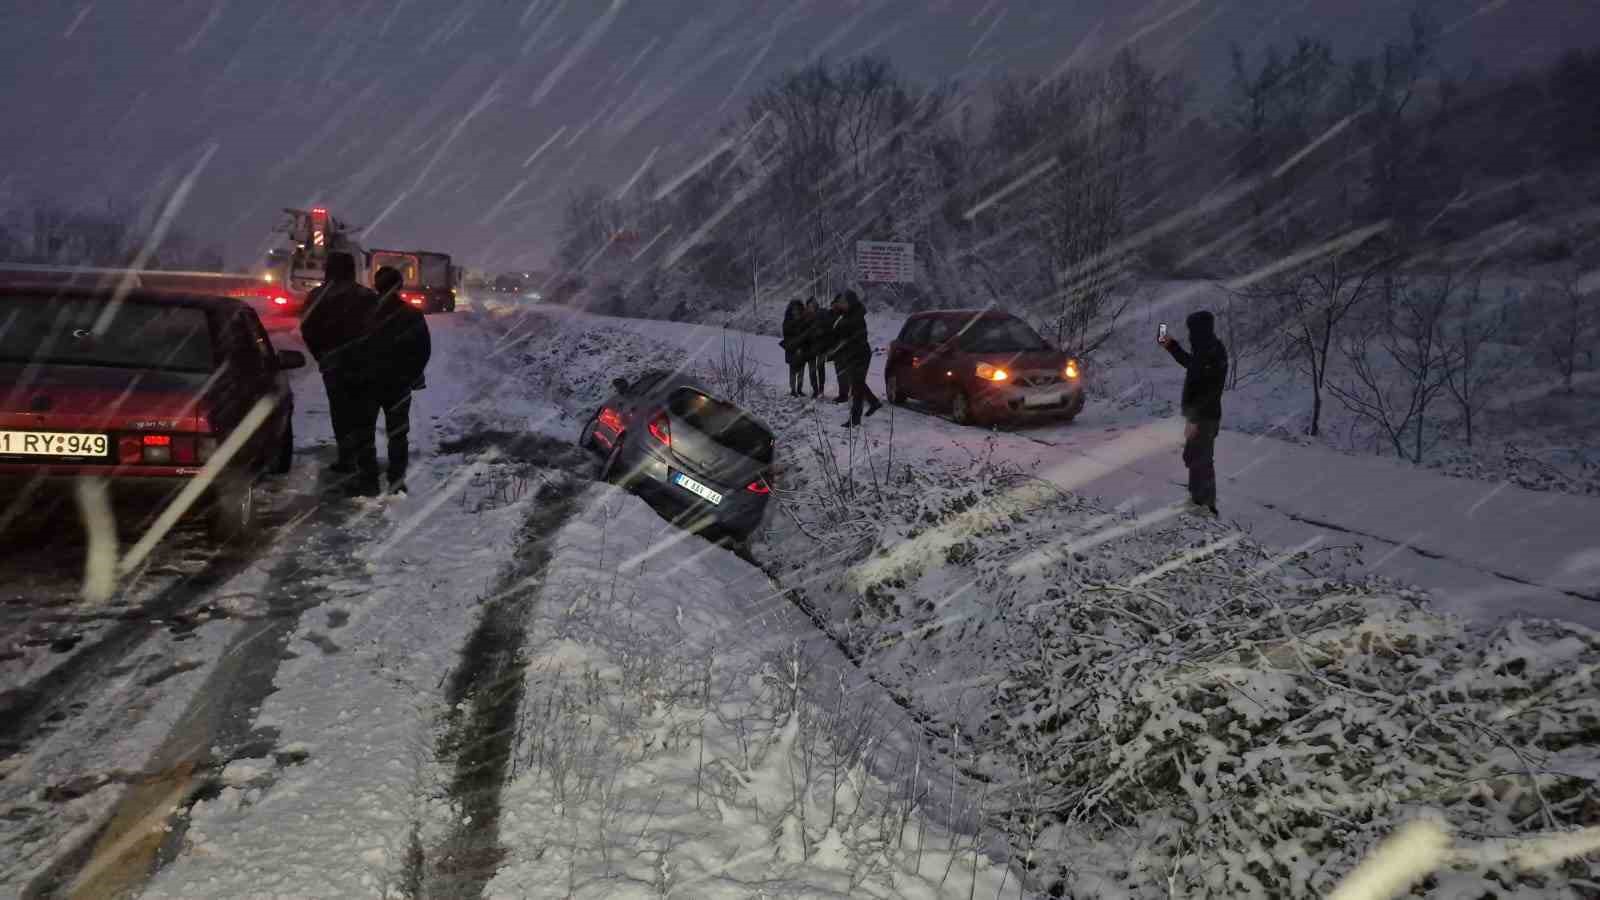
(759, 486)
(661, 430)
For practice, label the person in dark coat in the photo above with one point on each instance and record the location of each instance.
(818, 322)
(793, 344)
(853, 354)
(338, 316)
(1206, 372)
(397, 353)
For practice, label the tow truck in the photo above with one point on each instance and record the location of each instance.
(430, 278)
(312, 234)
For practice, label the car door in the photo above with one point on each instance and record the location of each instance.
(903, 354)
(276, 382)
(932, 379)
(247, 373)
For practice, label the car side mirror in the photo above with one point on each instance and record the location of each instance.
(621, 384)
(291, 359)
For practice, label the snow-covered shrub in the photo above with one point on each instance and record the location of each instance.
(1256, 738)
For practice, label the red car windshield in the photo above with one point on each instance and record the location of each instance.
(78, 331)
(999, 335)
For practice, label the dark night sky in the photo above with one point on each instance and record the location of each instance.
(424, 116)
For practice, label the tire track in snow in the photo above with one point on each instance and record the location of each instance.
(484, 692)
(146, 826)
(48, 699)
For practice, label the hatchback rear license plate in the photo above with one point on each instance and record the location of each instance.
(53, 443)
(1051, 399)
(696, 488)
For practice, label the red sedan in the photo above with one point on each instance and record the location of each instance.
(983, 366)
(152, 391)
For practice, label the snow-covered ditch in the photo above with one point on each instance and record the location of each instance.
(671, 740)
(1151, 703)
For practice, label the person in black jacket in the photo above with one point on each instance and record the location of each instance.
(818, 323)
(853, 354)
(338, 317)
(396, 356)
(1206, 372)
(793, 344)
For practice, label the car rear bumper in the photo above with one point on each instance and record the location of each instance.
(740, 510)
(14, 472)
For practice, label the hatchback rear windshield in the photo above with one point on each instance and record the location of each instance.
(78, 331)
(999, 335)
(723, 423)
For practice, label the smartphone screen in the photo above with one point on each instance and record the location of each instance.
(1161, 333)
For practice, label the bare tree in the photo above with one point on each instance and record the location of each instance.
(1568, 341)
(1315, 301)
(1470, 373)
(1400, 362)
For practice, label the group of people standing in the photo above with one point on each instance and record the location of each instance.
(372, 348)
(813, 337)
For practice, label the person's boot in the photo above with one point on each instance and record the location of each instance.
(844, 399)
(874, 408)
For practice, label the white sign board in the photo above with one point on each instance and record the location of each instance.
(880, 261)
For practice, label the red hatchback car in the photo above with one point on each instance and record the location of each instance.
(143, 392)
(983, 366)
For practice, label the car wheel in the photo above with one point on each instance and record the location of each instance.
(891, 389)
(233, 508)
(586, 436)
(284, 461)
(961, 409)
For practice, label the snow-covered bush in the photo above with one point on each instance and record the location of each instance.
(1251, 737)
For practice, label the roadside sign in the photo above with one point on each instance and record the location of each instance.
(881, 261)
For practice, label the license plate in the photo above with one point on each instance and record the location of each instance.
(1051, 399)
(696, 488)
(53, 443)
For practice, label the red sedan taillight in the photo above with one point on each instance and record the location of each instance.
(164, 449)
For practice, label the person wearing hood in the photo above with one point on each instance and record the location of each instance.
(793, 344)
(818, 324)
(853, 354)
(1205, 375)
(396, 356)
(338, 317)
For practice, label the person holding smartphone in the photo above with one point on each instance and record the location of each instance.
(1206, 372)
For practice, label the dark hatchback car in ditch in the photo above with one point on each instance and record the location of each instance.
(667, 438)
(145, 391)
(982, 366)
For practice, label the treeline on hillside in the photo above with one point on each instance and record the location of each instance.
(1048, 194)
(109, 234)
